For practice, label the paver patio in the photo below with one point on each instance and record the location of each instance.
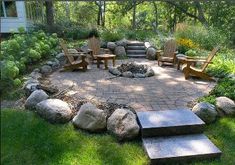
(166, 90)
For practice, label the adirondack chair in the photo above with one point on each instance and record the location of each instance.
(72, 63)
(168, 55)
(94, 45)
(189, 70)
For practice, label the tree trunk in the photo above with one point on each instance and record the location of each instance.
(201, 16)
(49, 13)
(134, 15)
(103, 19)
(67, 9)
(156, 15)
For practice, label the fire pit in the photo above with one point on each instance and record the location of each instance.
(132, 70)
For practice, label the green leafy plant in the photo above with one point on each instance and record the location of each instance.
(23, 50)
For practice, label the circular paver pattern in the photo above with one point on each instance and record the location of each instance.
(166, 90)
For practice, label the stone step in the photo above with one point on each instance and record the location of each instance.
(135, 48)
(135, 43)
(169, 122)
(135, 51)
(136, 55)
(182, 148)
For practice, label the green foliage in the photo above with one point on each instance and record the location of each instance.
(23, 50)
(225, 87)
(112, 34)
(223, 63)
(28, 139)
(200, 37)
(191, 52)
(94, 33)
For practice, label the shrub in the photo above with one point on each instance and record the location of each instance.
(112, 35)
(199, 36)
(22, 50)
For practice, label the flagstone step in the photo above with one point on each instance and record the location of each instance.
(169, 122)
(135, 51)
(136, 55)
(135, 43)
(130, 47)
(181, 148)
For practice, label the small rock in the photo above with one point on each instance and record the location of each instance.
(205, 111)
(111, 45)
(149, 72)
(139, 75)
(114, 71)
(36, 70)
(46, 69)
(123, 124)
(225, 106)
(35, 75)
(90, 118)
(36, 97)
(54, 110)
(61, 58)
(49, 63)
(30, 86)
(151, 53)
(120, 51)
(127, 74)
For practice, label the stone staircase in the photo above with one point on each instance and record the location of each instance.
(136, 49)
(175, 136)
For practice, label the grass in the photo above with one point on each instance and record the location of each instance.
(27, 139)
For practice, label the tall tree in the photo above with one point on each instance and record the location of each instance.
(134, 15)
(49, 13)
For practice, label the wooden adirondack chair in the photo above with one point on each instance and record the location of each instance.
(72, 63)
(189, 70)
(94, 45)
(169, 53)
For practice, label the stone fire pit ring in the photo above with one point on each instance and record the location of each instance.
(132, 70)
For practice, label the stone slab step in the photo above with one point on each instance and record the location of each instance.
(182, 148)
(136, 55)
(169, 122)
(135, 51)
(135, 43)
(135, 48)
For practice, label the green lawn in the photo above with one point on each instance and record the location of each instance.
(27, 139)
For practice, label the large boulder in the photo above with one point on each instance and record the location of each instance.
(46, 69)
(54, 110)
(151, 53)
(90, 118)
(206, 111)
(122, 123)
(225, 106)
(122, 42)
(120, 51)
(36, 97)
(111, 45)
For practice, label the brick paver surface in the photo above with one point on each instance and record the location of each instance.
(166, 90)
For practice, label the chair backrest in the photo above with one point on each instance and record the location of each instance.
(210, 57)
(66, 52)
(169, 48)
(94, 45)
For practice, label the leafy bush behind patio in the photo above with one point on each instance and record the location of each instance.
(21, 51)
(199, 37)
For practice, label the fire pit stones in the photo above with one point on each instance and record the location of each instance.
(132, 70)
